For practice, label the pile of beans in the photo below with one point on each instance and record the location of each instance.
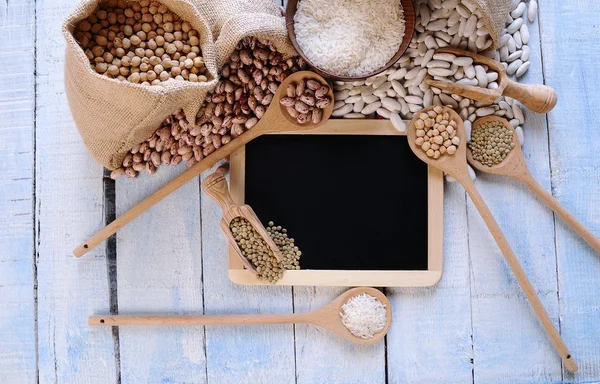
(141, 42)
(491, 142)
(256, 250)
(306, 100)
(436, 133)
(249, 80)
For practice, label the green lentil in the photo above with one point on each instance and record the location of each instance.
(491, 142)
(256, 250)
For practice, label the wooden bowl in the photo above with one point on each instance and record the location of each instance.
(409, 28)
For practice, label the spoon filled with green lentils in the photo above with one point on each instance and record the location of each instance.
(256, 250)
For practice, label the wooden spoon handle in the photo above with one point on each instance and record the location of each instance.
(519, 273)
(561, 211)
(117, 320)
(215, 186)
(536, 97)
(162, 192)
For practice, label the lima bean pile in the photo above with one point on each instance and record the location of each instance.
(400, 91)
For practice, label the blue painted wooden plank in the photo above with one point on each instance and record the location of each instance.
(241, 354)
(570, 49)
(430, 337)
(509, 343)
(159, 270)
(322, 357)
(17, 101)
(69, 207)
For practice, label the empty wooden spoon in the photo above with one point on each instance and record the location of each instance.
(327, 317)
(216, 187)
(514, 167)
(456, 166)
(275, 119)
(536, 97)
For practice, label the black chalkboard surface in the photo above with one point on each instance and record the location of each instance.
(351, 202)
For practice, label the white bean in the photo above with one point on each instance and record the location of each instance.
(399, 74)
(338, 104)
(353, 99)
(413, 100)
(342, 95)
(518, 113)
(359, 105)
(526, 52)
(532, 10)
(354, 115)
(514, 56)
(438, 64)
(517, 12)
(370, 99)
(514, 26)
(523, 68)
(481, 76)
(486, 111)
(463, 61)
(512, 68)
(440, 72)
(468, 81)
(383, 113)
(391, 104)
(524, 31)
(343, 110)
(397, 122)
(444, 57)
(520, 135)
(370, 108)
(468, 130)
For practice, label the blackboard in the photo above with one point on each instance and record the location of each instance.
(351, 202)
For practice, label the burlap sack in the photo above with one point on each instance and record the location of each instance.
(113, 116)
(494, 14)
(232, 20)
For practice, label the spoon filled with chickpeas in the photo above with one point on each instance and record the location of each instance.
(494, 148)
(434, 125)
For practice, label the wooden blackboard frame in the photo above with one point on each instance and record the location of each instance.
(404, 278)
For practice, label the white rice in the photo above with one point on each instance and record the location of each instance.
(364, 316)
(349, 37)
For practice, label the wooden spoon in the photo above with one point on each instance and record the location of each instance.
(456, 166)
(536, 97)
(275, 119)
(514, 167)
(216, 187)
(327, 317)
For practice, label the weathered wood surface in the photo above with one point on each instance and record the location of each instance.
(520, 343)
(17, 219)
(474, 326)
(570, 56)
(69, 207)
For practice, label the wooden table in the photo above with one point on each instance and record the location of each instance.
(474, 326)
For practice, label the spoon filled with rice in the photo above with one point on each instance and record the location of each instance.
(360, 315)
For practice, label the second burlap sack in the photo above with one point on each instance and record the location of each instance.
(113, 116)
(232, 20)
(494, 14)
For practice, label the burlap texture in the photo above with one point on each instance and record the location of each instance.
(113, 116)
(232, 20)
(494, 14)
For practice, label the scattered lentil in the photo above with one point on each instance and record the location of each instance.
(491, 142)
